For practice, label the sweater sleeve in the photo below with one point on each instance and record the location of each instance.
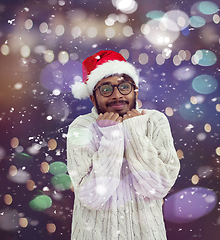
(151, 154)
(94, 160)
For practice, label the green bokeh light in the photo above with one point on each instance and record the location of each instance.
(61, 182)
(197, 21)
(206, 57)
(205, 84)
(58, 168)
(208, 7)
(41, 203)
(155, 14)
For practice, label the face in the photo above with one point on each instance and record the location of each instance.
(117, 102)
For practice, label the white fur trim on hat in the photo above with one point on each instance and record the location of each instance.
(82, 90)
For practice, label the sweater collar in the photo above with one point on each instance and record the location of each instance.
(95, 113)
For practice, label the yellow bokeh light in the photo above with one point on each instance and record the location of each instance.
(92, 32)
(52, 144)
(176, 60)
(76, 32)
(188, 55)
(13, 170)
(5, 50)
(207, 127)
(28, 24)
(8, 199)
(63, 57)
(14, 142)
(25, 51)
(193, 100)
(217, 107)
(160, 59)
(182, 55)
(43, 27)
(109, 32)
(180, 154)
(125, 53)
(216, 19)
(49, 56)
(128, 31)
(51, 227)
(23, 222)
(217, 150)
(44, 167)
(169, 111)
(195, 179)
(59, 30)
(30, 184)
(143, 58)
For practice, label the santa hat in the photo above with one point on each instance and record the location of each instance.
(98, 66)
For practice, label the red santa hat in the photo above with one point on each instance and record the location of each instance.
(98, 66)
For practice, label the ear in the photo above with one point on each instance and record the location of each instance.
(92, 98)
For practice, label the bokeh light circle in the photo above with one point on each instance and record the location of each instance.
(9, 219)
(58, 168)
(192, 112)
(184, 73)
(155, 14)
(41, 203)
(61, 182)
(161, 32)
(80, 136)
(20, 177)
(208, 7)
(189, 204)
(204, 58)
(179, 17)
(61, 76)
(197, 21)
(205, 84)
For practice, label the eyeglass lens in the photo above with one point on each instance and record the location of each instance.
(107, 89)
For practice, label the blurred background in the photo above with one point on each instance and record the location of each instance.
(175, 45)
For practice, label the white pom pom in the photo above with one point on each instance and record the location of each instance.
(80, 90)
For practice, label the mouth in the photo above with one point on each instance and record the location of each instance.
(117, 105)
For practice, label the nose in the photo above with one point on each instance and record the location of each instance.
(116, 94)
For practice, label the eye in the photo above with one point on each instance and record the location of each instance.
(106, 89)
(125, 86)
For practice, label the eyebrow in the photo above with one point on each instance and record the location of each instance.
(122, 80)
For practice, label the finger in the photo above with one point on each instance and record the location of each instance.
(125, 117)
(108, 115)
(99, 117)
(131, 114)
(119, 119)
(114, 117)
(143, 112)
(136, 112)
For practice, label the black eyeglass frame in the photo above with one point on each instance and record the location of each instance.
(113, 86)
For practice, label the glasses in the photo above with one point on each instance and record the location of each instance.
(106, 90)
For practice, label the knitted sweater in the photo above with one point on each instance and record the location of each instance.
(120, 175)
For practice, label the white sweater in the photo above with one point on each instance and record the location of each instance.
(120, 175)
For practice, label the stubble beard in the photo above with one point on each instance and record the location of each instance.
(100, 110)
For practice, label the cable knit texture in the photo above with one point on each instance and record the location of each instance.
(120, 175)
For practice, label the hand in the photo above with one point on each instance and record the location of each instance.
(133, 113)
(108, 119)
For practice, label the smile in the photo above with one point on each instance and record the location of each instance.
(117, 105)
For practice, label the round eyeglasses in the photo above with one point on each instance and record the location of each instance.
(106, 90)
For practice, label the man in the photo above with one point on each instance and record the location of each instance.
(121, 159)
